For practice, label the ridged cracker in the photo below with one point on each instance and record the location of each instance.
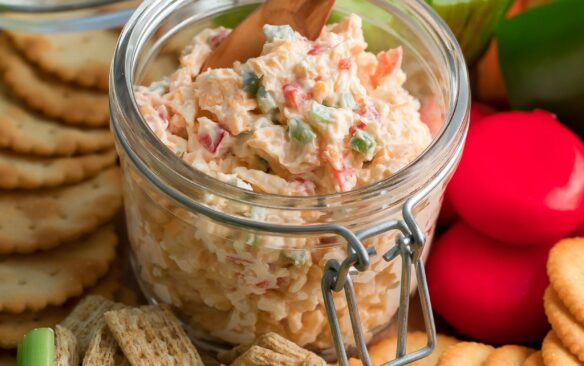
(14, 326)
(509, 355)
(44, 219)
(566, 272)
(50, 278)
(30, 133)
(66, 353)
(20, 171)
(568, 330)
(103, 350)
(465, 353)
(49, 95)
(61, 54)
(87, 318)
(535, 359)
(555, 353)
(151, 335)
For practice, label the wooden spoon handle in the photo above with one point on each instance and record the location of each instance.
(246, 41)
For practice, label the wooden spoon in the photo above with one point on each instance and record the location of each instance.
(307, 17)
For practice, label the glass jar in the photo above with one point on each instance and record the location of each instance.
(36, 16)
(235, 264)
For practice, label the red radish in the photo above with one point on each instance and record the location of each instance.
(521, 178)
(579, 231)
(448, 215)
(488, 290)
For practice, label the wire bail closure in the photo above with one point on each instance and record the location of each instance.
(337, 277)
(409, 246)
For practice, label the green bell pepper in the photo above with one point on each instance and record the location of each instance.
(541, 53)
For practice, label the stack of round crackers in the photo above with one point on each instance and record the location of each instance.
(564, 304)
(59, 183)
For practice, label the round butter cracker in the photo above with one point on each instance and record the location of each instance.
(565, 268)
(26, 132)
(47, 94)
(80, 57)
(385, 350)
(23, 172)
(465, 353)
(509, 355)
(554, 353)
(14, 326)
(535, 359)
(34, 282)
(44, 219)
(567, 329)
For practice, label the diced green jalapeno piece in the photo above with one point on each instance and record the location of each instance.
(265, 100)
(362, 142)
(251, 239)
(320, 113)
(159, 86)
(251, 83)
(295, 257)
(346, 101)
(273, 32)
(300, 131)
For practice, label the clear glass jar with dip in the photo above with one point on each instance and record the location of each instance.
(236, 264)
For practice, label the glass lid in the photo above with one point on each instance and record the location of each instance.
(44, 16)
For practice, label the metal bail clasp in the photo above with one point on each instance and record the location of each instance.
(330, 281)
(409, 246)
(337, 277)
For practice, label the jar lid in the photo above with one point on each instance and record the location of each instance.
(42, 16)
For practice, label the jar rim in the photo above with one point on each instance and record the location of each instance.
(177, 179)
(64, 16)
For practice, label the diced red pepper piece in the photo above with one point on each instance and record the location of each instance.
(343, 176)
(368, 110)
(294, 95)
(211, 141)
(307, 186)
(238, 260)
(318, 48)
(218, 38)
(360, 125)
(262, 284)
(162, 112)
(387, 62)
(345, 64)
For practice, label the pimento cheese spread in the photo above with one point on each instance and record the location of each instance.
(303, 118)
